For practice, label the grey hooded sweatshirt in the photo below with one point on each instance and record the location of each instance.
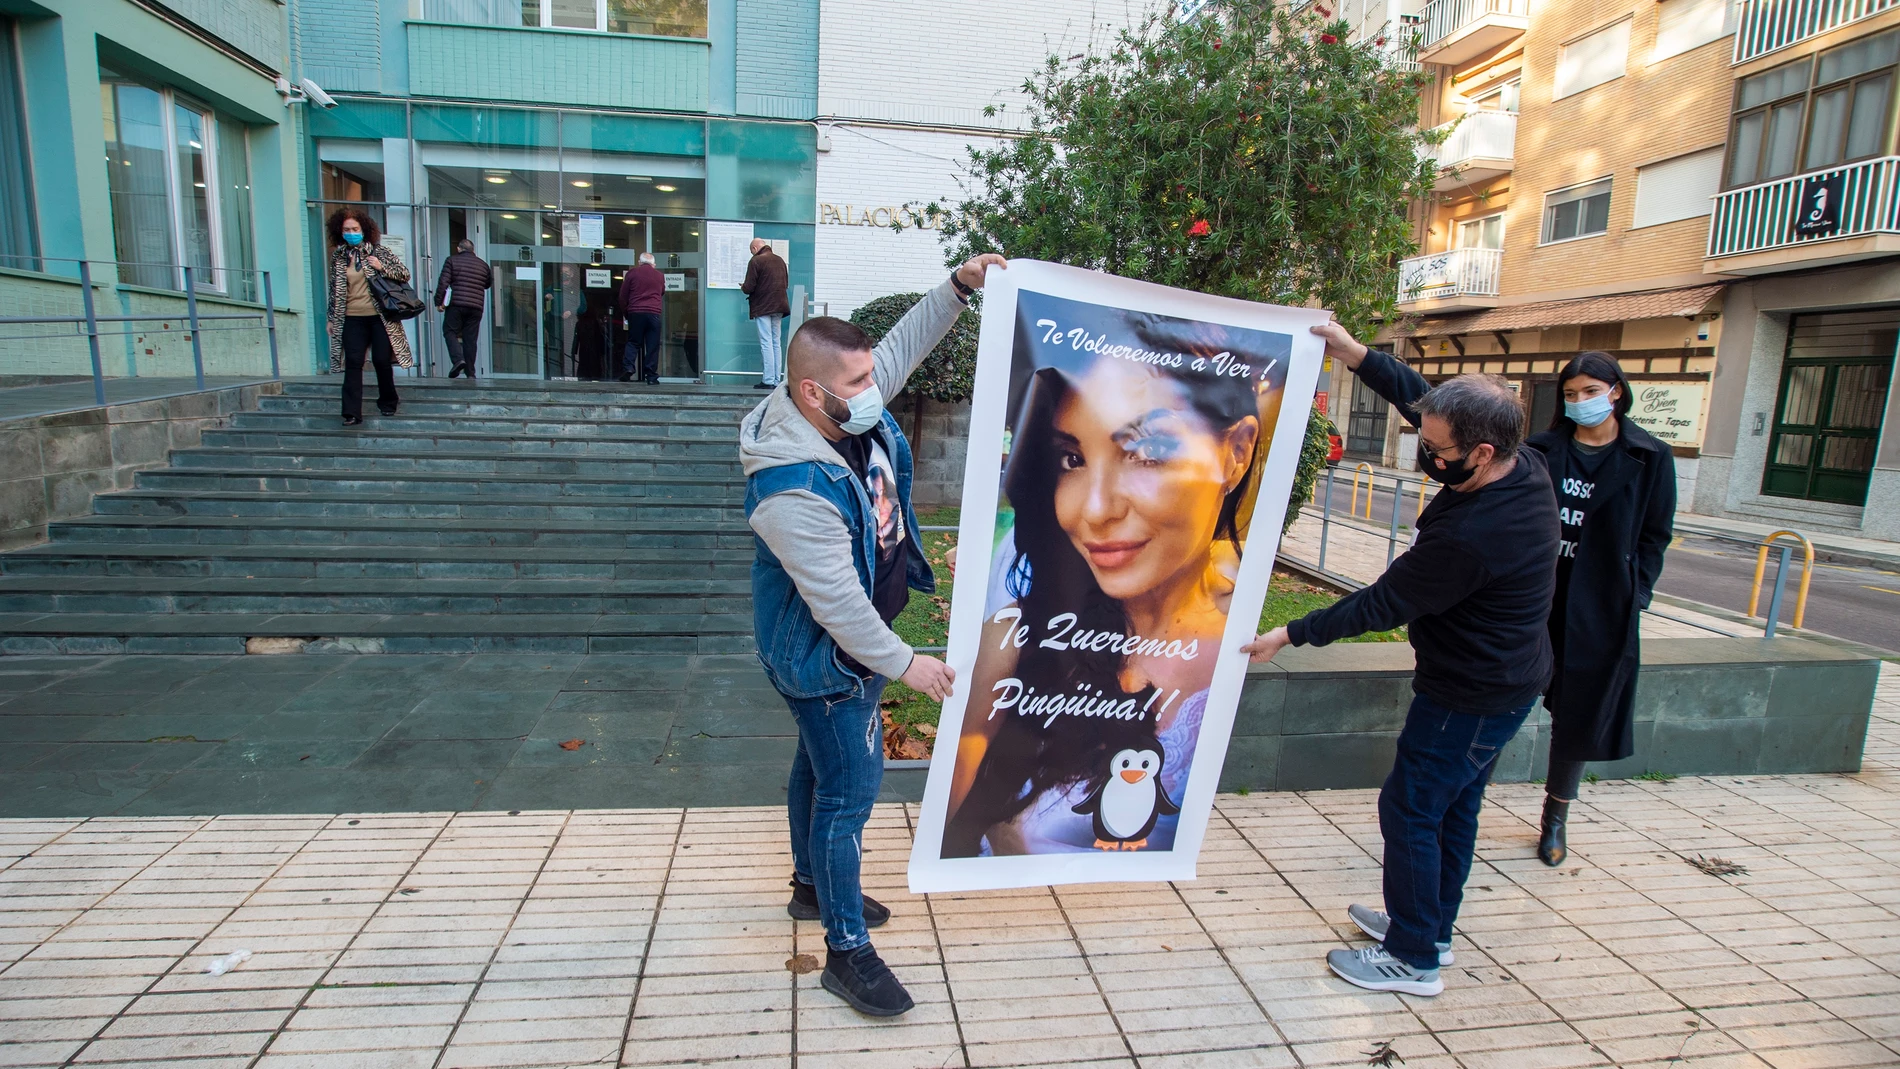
(804, 530)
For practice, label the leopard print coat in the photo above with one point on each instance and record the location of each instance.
(340, 299)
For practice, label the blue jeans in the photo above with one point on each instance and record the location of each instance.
(1428, 813)
(771, 354)
(835, 779)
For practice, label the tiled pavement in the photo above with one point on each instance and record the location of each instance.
(657, 937)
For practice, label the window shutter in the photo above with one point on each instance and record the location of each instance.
(1594, 59)
(1687, 24)
(1680, 188)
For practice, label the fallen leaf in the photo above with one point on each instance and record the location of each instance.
(928, 731)
(1716, 866)
(573, 744)
(800, 964)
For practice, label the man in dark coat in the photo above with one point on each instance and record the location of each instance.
(460, 295)
(642, 299)
(766, 279)
(1617, 498)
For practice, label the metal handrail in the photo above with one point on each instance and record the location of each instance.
(192, 318)
(1781, 580)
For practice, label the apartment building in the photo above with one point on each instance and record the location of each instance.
(1629, 175)
(144, 147)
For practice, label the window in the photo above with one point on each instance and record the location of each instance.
(1577, 212)
(1679, 188)
(1593, 59)
(179, 180)
(1808, 115)
(663, 18)
(1503, 98)
(1686, 24)
(1485, 233)
(19, 239)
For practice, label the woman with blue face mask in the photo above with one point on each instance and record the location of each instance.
(1616, 503)
(359, 331)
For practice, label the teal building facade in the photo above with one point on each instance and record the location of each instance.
(148, 139)
(565, 138)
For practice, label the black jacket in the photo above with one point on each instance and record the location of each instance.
(465, 279)
(1475, 586)
(1594, 624)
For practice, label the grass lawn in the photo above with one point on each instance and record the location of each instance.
(926, 621)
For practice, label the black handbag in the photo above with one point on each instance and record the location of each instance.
(395, 300)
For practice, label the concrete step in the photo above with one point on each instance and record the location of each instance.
(372, 562)
(152, 594)
(676, 395)
(485, 409)
(563, 426)
(626, 443)
(283, 531)
(629, 469)
(434, 506)
(227, 633)
(403, 484)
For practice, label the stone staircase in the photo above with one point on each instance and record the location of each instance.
(540, 517)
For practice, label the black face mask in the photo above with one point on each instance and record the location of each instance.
(1454, 475)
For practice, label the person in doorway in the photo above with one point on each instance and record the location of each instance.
(1616, 501)
(828, 476)
(642, 299)
(593, 335)
(1475, 589)
(461, 293)
(356, 325)
(766, 279)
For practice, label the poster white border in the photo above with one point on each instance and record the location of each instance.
(928, 870)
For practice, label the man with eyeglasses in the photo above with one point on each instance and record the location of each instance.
(1475, 590)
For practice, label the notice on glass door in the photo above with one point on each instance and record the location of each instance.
(727, 254)
(592, 232)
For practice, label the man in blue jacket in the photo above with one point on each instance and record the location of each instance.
(828, 477)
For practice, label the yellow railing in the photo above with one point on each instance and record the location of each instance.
(1807, 573)
(1352, 508)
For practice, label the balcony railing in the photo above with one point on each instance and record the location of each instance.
(1481, 147)
(1398, 41)
(1456, 273)
(1769, 25)
(1841, 202)
(1443, 20)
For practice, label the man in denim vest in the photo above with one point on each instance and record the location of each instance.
(828, 477)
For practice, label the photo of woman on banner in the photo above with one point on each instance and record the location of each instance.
(1136, 443)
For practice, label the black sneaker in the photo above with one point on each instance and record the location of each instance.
(861, 978)
(804, 906)
(352, 421)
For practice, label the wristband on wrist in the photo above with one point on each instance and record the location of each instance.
(963, 291)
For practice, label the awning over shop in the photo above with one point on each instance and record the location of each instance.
(1620, 308)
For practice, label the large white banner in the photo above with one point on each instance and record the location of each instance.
(1125, 441)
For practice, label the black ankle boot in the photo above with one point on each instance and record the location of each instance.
(804, 906)
(861, 978)
(1550, 845)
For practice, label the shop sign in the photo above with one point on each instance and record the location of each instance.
(1672, 411)
(911, 215)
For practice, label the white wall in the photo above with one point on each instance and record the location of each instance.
(935, 63)
(902, 85)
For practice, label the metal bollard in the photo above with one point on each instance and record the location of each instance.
(270, 328)
(191, 312)
(1781, 584)
(92, 334)
(1392, 536)
(1326, 517)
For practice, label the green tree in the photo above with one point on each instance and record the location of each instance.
(1250, 151)
(948, 374)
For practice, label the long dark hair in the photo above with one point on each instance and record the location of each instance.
(1050, 577)
(1597, 365)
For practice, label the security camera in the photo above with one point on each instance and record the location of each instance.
(315, 94)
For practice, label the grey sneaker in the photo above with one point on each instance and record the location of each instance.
(1374, 923)
(1372, 968)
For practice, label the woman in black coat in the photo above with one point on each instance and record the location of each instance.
(1616, 498)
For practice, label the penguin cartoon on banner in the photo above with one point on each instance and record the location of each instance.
(1130, 798)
